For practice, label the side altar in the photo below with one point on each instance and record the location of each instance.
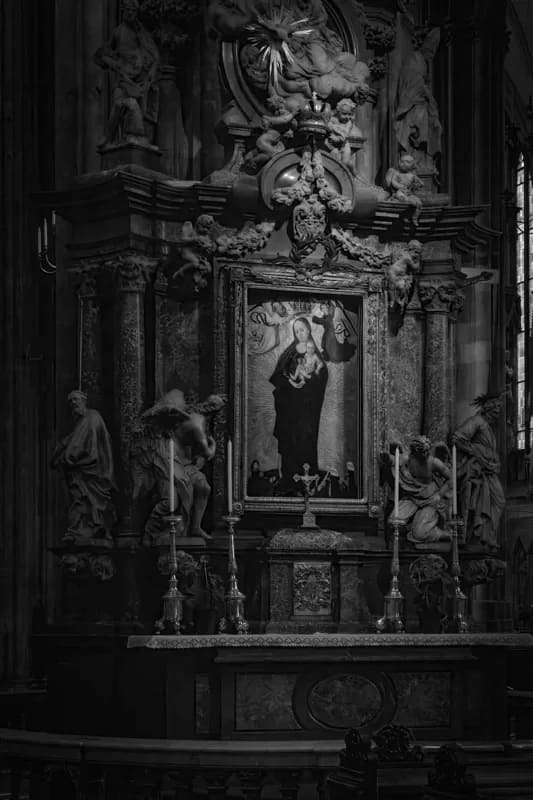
(272, 337)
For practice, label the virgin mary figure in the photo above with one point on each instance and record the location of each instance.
(300, 380)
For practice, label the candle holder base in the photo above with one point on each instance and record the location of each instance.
(173, 598)
(233, 620)
(392, 619)
(457, 604)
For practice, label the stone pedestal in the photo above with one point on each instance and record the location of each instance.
(142, 155)
(313, 582)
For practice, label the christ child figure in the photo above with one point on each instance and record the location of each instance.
(309, 364)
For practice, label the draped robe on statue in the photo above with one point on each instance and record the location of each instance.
(86, 458)
(423, 504)
(481, 491)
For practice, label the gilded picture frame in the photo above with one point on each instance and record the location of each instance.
(303, 371)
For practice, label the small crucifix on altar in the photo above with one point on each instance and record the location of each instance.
(309, 483)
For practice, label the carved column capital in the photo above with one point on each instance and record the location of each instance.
(131, 276)
(131, 271)
(444, 298)
(87, 284)
(160, 281)
(85, 278)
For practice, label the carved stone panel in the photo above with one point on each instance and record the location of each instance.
(345, 701)
(423, 699)
(202, 703)
(312, 588)
(263, 702)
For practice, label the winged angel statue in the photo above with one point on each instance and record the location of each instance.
(172, 420)
(425, 490)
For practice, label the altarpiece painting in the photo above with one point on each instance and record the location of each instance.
(302, 391)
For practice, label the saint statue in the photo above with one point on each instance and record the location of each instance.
(416, 116)
(85, 457)
(482, 498)
(133, 59)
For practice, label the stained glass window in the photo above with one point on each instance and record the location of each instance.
(524, 287)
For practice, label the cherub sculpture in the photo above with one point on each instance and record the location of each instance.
(198, 247)
(343, 133)
(404, 185)
(200, 242)
(276, 129)
(425, 492)
(171, 418)
(400, 274)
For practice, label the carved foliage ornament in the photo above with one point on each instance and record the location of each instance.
(85, 565)
(312, 588)
(204, 239)
(171, 22)
(311, 197)
(444, 297)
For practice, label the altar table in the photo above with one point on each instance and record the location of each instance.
(316, 686)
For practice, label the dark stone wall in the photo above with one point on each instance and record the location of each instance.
(27, 313)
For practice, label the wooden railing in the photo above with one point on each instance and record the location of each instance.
(43, 766)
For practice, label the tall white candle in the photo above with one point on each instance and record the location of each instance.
(230, 475)
(39, 241)
(45, 232)
(53, 219)
(396, 482)
(454, 480)
(171, 475)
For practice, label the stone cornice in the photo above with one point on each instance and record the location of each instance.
(134, 208)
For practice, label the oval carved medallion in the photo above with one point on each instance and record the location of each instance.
(345, 701)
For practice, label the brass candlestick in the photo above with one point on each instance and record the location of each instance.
(457, 604)
(173, 598)
(233, 621)
(392, 619)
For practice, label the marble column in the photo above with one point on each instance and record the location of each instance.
(130, 376)
(89, 351)
(441, 300)
(161, 323)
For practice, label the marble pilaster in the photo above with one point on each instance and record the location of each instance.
(161, 322)
(440, 300)
(406, 378)
(90, 337)
(130, 376)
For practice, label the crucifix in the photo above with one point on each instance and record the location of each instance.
(309, 483)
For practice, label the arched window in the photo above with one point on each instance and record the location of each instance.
(524, 287)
